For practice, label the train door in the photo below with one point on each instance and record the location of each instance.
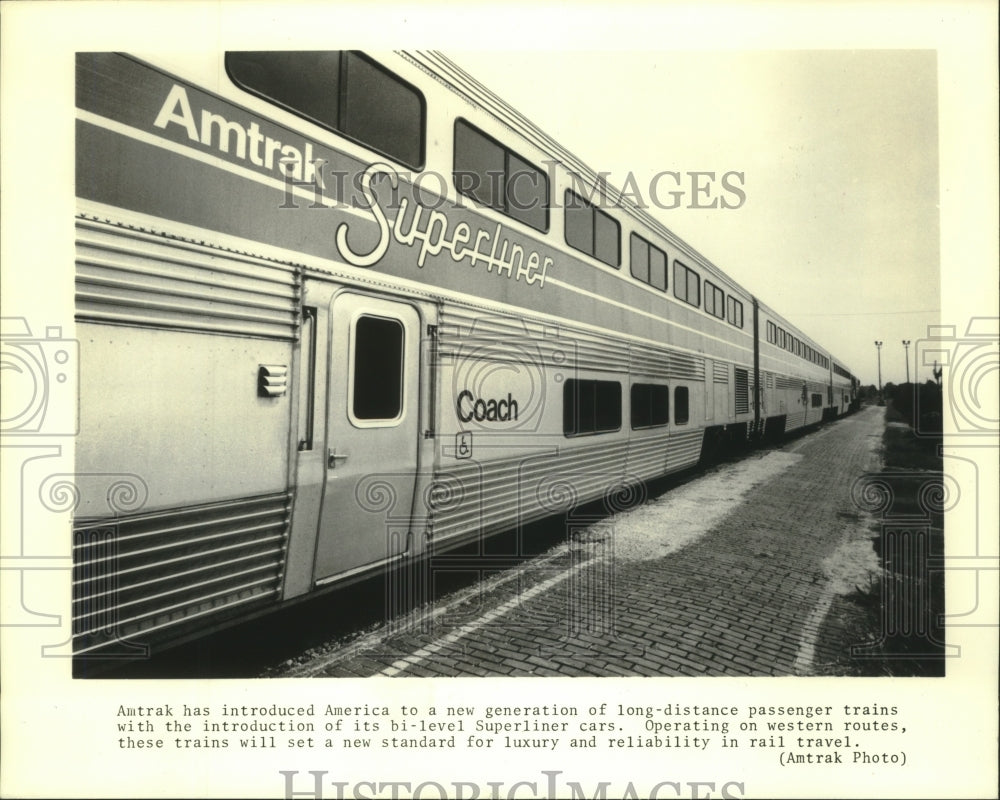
(372, 433)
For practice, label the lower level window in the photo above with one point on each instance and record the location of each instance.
(591, 406)
(650, 405)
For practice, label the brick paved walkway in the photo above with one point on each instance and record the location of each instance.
(746, 597)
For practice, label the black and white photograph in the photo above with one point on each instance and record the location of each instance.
(624, 377)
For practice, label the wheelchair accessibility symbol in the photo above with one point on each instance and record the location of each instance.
(463, 445)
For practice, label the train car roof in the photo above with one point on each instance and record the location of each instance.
(469, 88)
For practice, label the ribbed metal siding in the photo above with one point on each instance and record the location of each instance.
(559, 346)
(494, 495)
(684, 449)
(795, 419)
(647, 455)
(463, 331)
(652, 456)
(134, 577)
(134, 277)
(720, 373)
(665, 363)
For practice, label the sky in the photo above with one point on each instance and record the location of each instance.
(838, 149)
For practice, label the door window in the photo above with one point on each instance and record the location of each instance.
(377, 371)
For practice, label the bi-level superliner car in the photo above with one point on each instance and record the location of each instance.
(340, 310)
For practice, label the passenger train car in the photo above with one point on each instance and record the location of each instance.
(338, 310)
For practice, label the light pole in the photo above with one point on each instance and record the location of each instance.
(906, 347)
(878, 347)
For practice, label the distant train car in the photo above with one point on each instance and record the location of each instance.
(339, 310)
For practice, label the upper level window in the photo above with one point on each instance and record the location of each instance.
(499, 178)
(715, 300)
(649, 262)
(687, 284)
(735, 312)
(341, 90)
(591, 231)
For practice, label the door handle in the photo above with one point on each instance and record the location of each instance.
(333, 456)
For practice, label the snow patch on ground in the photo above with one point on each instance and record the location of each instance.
(688, 512)
(854, 564)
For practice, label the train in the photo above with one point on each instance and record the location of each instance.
(340, 311)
